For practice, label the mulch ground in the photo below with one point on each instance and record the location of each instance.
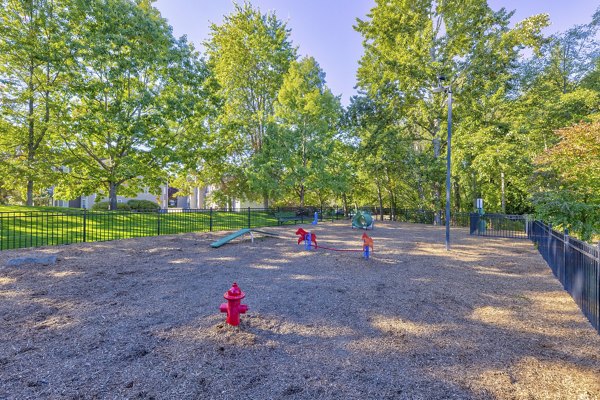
(139, 318)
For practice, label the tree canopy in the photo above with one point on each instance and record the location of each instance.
(99, 97)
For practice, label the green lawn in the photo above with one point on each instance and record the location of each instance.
(40, 226)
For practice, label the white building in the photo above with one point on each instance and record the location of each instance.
(198, 199)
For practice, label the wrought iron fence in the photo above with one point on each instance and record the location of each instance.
(574, 263)
(499, 225)
(419, 216)
(41, 228)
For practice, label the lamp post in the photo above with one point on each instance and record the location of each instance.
(448, 90)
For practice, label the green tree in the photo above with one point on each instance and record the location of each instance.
(408, 45)
(389, 166)
(568, 180)
(249, 54)
(34, 58)
(556, 87)
(132, 88)
(308, 116)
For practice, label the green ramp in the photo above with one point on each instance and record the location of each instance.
(229, 238)
(237, 234)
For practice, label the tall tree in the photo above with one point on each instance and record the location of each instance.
(130, 91)
(409, 44)
(567, 190)
(308, 116)
(248, 54)
(34, 56)
(387, 161)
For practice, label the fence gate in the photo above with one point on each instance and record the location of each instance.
(499, 225)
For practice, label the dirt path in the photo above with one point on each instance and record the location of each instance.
(139, 319)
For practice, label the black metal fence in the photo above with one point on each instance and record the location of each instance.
(499, 225)
(575, 264)
(46, 228)
(41, 228)
(417, 216)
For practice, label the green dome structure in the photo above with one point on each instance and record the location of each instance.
(362, 220)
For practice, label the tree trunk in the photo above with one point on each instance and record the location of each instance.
(266, 199)
(345, 202)
(112, 196)
(30, 141)
(29, 193)
(420, 191)
(302, 191)
(380, 198)
(474, 188)
(392, 205)
(436, 186)
(457, 201)
(503, 201)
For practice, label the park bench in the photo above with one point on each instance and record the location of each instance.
(282, 218)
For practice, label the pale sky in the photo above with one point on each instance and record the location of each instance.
(323, 28)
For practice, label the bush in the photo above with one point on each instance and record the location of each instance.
(103, 206)
(143, 205)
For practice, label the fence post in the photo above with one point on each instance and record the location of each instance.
(210, 223)
(566, 248)
(249, 226)
(548, 242)
(158, 223)
(84, 225)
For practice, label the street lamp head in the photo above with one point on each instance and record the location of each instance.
(441, 78)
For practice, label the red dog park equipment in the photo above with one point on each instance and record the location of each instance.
(307, 238)
(233, 308)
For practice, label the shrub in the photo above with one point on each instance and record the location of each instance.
(143, 205)
(103, 206)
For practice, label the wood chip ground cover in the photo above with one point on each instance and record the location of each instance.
(139, 318)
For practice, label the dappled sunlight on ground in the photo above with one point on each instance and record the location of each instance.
(497, 316)
(253, 330)
(140, 319)
(266, 267)
(181, 261)
(398, 326)
(303, 277)
(548, 377)
(275, 261)
(11, 294)
(7, 281)
(63, 274)
(222, 259)
(496, 271)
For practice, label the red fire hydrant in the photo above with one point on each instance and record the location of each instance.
(233, 308)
